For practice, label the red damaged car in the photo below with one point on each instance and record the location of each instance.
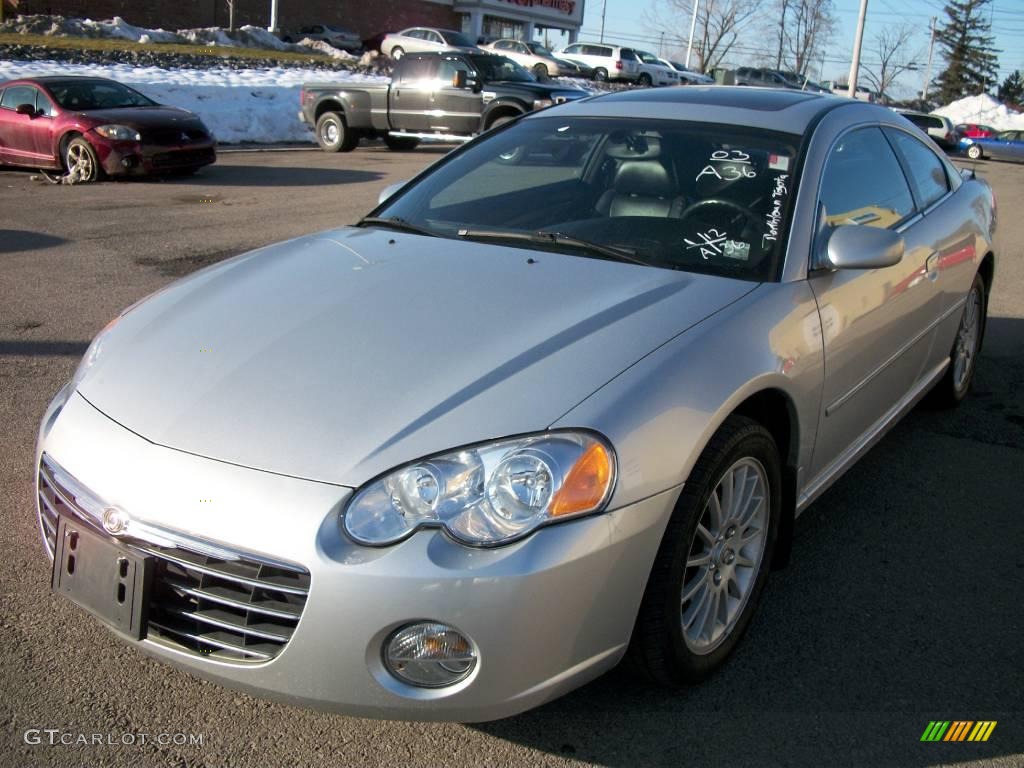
(89, 127)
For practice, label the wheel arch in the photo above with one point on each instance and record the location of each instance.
(499, 109)
(329, 104)
(775, 410)
(66, 138)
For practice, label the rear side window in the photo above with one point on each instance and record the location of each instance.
(926, 172)
(863, 182)
(412, 70)
(18, 94)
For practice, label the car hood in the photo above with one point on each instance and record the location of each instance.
(340, 355)
(534, 90)
(144, 117)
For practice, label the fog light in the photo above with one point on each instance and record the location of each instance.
(429, 655)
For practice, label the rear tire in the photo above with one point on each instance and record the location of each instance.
(954, 385)
(714, 558)
(400, 143)
(333, 134)
(974, 152)
(601, 75)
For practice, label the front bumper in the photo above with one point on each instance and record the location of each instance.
(132, 158)
(547, 614)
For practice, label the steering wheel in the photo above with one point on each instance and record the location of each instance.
(693, 208)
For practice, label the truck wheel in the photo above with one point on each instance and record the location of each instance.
(600, 74)
(333, 135)
(512, 156)
(401, 143)
(397, 52)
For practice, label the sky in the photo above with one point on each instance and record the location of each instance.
(625, 23)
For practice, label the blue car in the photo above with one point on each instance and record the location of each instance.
(1005, 145)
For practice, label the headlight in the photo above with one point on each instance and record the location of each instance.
(542, 103)
(118, 133)
(488, 494)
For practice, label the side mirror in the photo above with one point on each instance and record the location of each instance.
(855, 246)
(460, 78)
(26, 109)
(390, 190)
(475, 85)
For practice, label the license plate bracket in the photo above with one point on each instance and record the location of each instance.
(107, 579)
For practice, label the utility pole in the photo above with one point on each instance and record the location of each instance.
(604, 9)
(858, 42)
(928, 66)
(231, 15)
(273, 16)
(782, 34)
(661, 45)
(693, 26)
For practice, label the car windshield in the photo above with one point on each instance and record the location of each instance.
(648, 58)
(457, 38)
(84, 95)
(690, 196)
(538, 49)
(500, 68)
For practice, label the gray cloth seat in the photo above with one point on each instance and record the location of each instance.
(642, 188)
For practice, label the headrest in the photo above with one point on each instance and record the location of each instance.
(647, 178)
(633, 146)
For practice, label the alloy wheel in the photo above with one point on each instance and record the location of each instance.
(79, 162)
(966, 346)
(725, 556)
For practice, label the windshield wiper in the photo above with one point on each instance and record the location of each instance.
(394, 222)
(611, 252)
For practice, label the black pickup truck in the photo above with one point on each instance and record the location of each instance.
(441, 96)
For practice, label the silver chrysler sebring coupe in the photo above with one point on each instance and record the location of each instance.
(556, 400)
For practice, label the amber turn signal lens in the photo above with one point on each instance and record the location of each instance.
(586, 484)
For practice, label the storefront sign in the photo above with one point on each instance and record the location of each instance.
(565, 6)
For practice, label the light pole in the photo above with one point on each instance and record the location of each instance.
(273, 16)
(604, 9)
(693, 26)
(857, 43)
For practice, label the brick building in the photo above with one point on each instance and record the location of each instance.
(496, 18)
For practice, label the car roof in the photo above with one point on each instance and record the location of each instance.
(773, 109)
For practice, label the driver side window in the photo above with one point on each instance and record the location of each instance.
(863, 183)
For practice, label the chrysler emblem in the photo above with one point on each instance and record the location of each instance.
(114, 520)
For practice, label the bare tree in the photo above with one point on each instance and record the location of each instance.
(811, 24)
(719, 23)
(891, 48)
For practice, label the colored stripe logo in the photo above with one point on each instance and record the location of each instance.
(958, 730)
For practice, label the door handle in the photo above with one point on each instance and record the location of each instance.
(931, 265)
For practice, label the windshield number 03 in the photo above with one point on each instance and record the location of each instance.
(738, 166)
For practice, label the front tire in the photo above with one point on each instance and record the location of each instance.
(645, 80)
(974, 152)
(397, 52)
(540, 71)
(80, 161)
(953, 387)
(714, 557)
(333, 134)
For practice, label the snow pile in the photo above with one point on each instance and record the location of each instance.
(327, 48)
(238, 105)
(985, 110)
(243, 37)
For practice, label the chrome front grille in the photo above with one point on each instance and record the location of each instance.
(236, 607)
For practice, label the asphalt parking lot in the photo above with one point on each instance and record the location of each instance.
(902, 604)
